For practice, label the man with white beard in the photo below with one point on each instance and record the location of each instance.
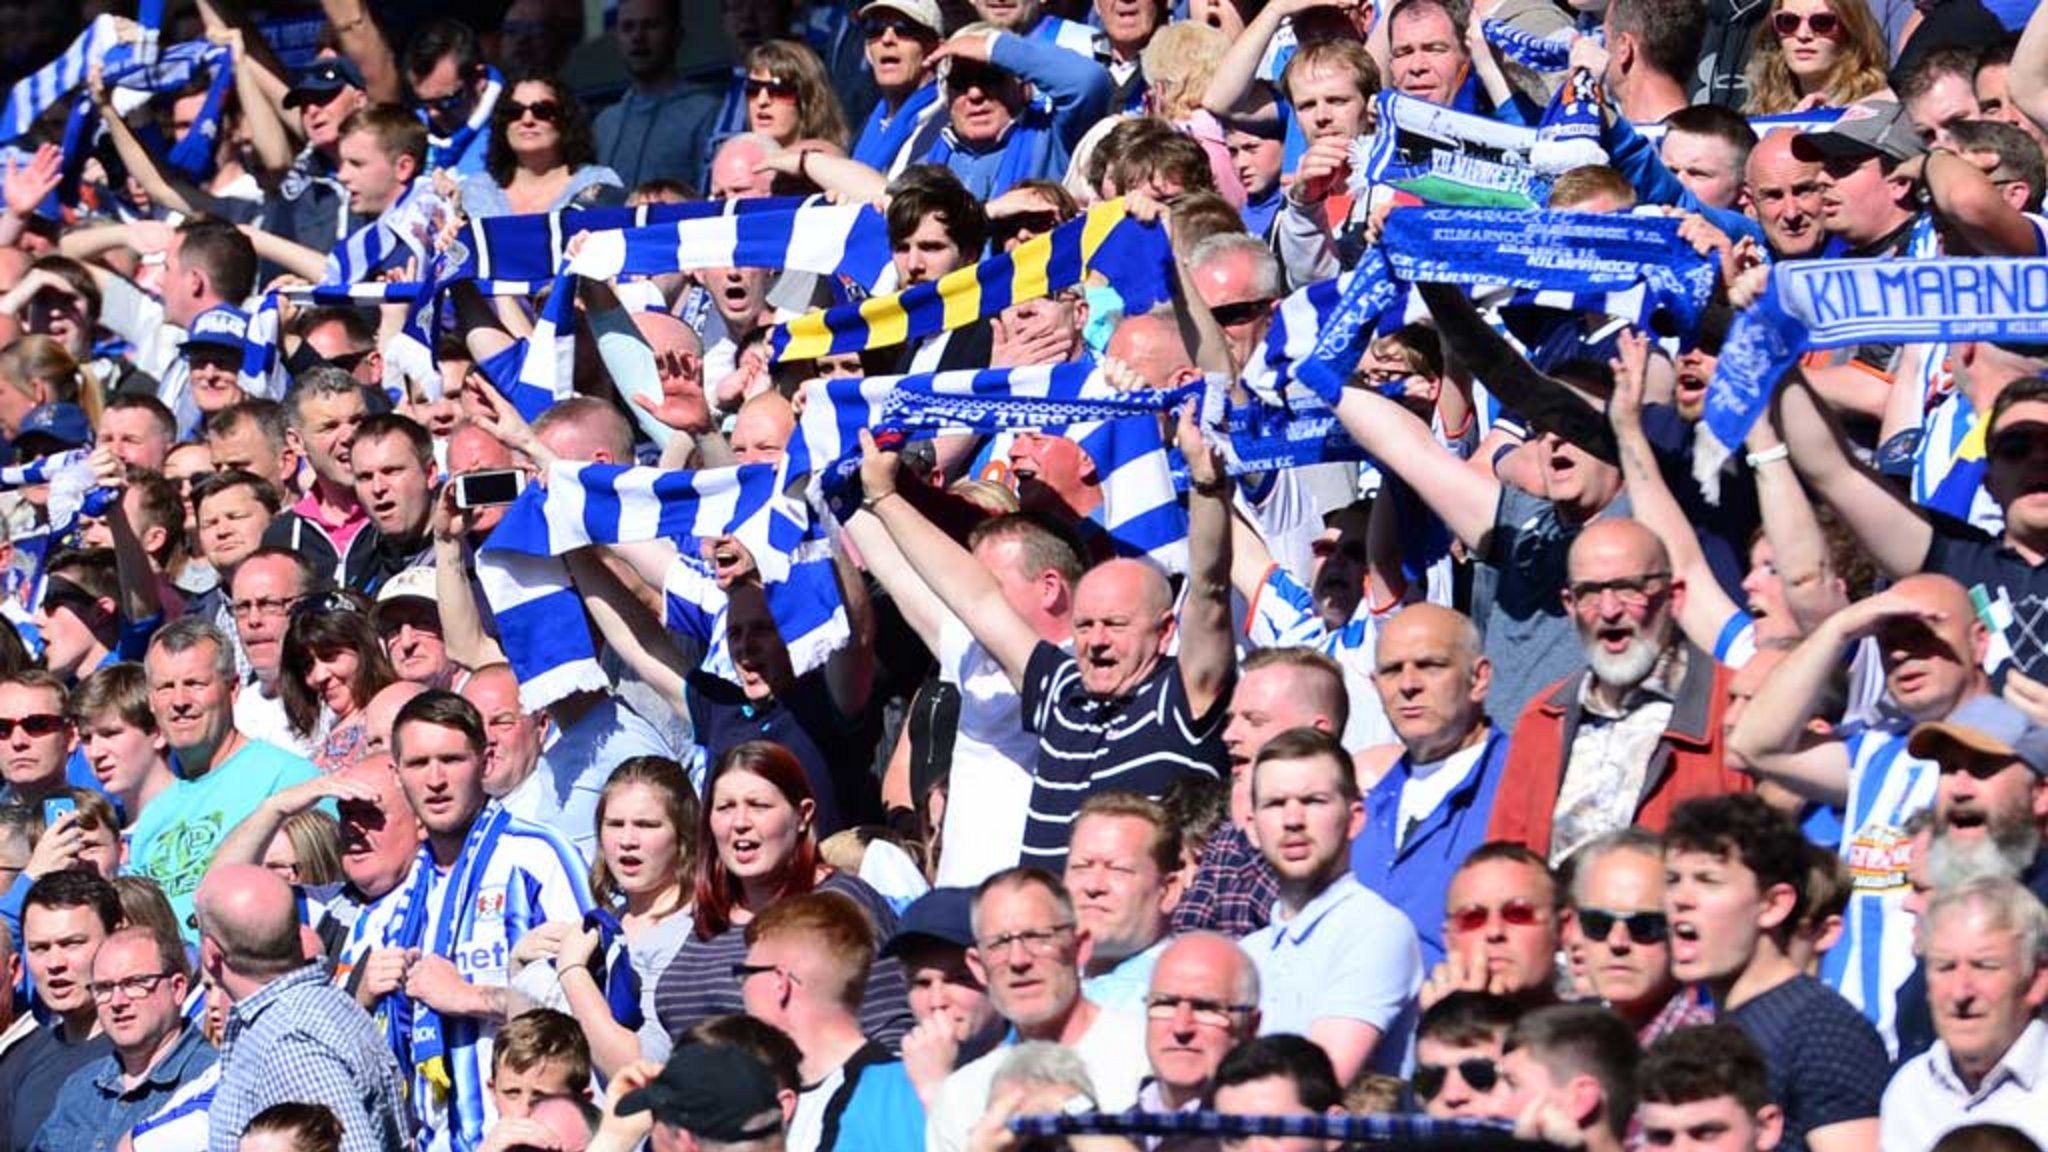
(1638, 732)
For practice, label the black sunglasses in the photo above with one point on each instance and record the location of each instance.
(1643, 927)
(874, 27)
(545, 111)
(1242, 312)
(1478, 1071)
(325, 604)
(1004, 228)
(780, 89)
(36, 724)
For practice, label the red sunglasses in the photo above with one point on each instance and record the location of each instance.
(1473, 917)
(1824, 24)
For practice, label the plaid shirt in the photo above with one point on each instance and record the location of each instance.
(302, 1039)
(1233, 889)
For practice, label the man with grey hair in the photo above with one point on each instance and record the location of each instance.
(223, 773)
(1204, 1001)
(322, 411)
(1984, 942)
(1619, 939)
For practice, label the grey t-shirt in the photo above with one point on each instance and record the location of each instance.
(1529, 635)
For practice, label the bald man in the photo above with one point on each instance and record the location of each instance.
(1150, 345)
(1116, 712)
(297, 1037)
(382, 710)
(761, 431)
(1203, 1001)
(679, 363)
(1784, 195)
(1932, 645)
(1431, 807)
(1634, 734)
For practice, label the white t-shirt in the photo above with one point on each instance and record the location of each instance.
(993, 761)
(1113, 1051)
(1429, 784)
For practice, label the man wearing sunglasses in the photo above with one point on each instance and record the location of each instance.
(1458, 1047)
(456, 92)
(36, 737)
(901, 36)
(1619, 939)
(996, 131)
(1635, 734)
(139, 983)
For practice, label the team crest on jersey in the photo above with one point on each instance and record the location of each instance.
(490, 904)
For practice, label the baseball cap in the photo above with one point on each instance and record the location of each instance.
(318, 81)
(713, 1092)
(221, 326)
(415, 583)
(62, 424)
(924, 12)
(1875, 127)
(1986, 725)
(941, 916)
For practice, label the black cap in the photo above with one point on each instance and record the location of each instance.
(941, 916)
(317, 82)
(713, 1092)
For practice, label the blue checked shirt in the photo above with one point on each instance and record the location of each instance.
(95, 1108)
(1233, 889)
(302, 1039)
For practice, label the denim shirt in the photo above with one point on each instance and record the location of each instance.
(93, 1110)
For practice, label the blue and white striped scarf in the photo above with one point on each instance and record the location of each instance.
(446, 152)
(1551, 53)
(1836, 303)
(1118, 430)
(175, 69)
(51, 84)
(540, 615)
(408, 225)
(540, 369)
(262, 373)
(843, 240)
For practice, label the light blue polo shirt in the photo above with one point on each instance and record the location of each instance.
(1348, 954)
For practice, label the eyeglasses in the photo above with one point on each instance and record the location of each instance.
(350, 361)
(453, 102)
(1632, 591)
(545, 111)
(743, 972)
(1514, 913)
(1241, 312)
(1824, 24)
(1478, 1071)
(1041, 942)
(962, 75)
(131, 987)
(36, 724)
(1643, 927)
(779, 89)
(875, 27)
(261, 606)
(1213, 1013)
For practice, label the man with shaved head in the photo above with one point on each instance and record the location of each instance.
(1637, 732)
(761, 431)
(1784, 194)
(292, 1036)
(1116, 712)
(1932, 646)
(1430, 808)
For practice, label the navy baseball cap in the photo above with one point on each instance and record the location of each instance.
(59, 423)
(942, 916)
(221, 326)
(317, 82)
(715, 1093)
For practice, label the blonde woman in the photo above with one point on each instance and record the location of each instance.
(1179, 63)
(1816, 54)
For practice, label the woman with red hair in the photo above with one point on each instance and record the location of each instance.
(757, 846)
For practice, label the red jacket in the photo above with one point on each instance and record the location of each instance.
(1687, 761)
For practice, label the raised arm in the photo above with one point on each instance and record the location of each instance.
(2027, 80)
(1705, 608)
(462, 626)
(1799, 549)
(914, 599)
(135, 156)
(1078, 88)
(850, 672)
(628, 628)
(1894, 532)
(246, 842)
(363, 42)
(268, 136)
(1965, 198)
(966, 588)
(1400, 441)
(1230, 91)
(1208, 654)
(848, 179)
(293, 257)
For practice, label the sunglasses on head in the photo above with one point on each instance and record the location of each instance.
(779, 89)
(1823, 23)
(325, 604)
(36, 724)
(1241, 312)
(1473, 917)
(545, 111)
(1643, 927)
(1478, 1071)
